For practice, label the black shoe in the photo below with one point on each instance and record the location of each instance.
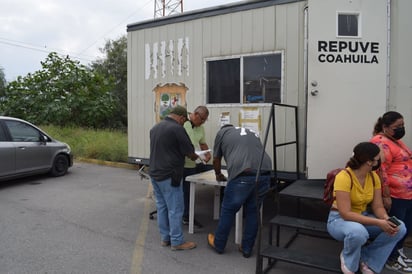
(195, 223)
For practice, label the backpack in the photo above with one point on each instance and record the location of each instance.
(330, 180)
(328, 187)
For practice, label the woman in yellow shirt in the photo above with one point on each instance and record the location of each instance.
(350, 222)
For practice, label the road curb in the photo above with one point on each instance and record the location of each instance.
(107, 163)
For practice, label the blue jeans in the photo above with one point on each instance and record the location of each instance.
(241, 192)
(355, 235)
(402, 209)
(169, 204)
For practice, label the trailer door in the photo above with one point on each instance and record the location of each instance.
(347, 79)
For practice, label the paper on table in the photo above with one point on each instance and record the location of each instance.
(202, 152)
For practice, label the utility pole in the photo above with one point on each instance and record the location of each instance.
(167, 7)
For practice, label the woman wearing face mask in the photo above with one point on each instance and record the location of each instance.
(349, 221)
(396, 175)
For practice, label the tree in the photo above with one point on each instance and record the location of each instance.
(63, 92)
(3, 82)
(114, 67)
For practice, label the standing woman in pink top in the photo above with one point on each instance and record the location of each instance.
(396, 176)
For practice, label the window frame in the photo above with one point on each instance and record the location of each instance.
(241, 88)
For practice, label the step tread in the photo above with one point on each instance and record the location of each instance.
(305, 258)
(299, 223)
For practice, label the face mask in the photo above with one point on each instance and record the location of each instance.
(398, 133)
(377, 166)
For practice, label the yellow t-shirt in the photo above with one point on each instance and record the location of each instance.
(360, 196)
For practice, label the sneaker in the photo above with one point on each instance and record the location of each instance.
(195, 222)
(165, 243)
(398, 265)
(211, 242)
(184, 246)
(245, 254)
(407, 260)
(365, 269)
(343, 267)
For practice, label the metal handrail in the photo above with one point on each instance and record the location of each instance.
(272, 121)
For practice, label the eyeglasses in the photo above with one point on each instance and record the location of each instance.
(202, 119)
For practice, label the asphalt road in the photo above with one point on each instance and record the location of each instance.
(84, 222)
(96, 220)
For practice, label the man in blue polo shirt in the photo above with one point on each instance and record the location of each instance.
(169, 144)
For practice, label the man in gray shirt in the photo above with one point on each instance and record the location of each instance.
(242, 150)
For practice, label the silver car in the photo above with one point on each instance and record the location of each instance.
(27, 150)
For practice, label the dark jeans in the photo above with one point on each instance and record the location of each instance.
(186, 185)
(402, 209)
(241, 192)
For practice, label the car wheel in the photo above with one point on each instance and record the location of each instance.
(60, 165)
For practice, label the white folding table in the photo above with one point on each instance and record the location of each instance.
(209, 178)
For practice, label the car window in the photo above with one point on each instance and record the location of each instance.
(21, 132)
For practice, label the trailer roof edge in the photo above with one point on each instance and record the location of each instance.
(206, 12)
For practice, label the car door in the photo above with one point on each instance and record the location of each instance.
(32, 154)
(7, 153)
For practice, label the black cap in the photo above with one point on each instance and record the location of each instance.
(179, 110)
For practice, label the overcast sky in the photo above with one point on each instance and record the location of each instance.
(30, 29)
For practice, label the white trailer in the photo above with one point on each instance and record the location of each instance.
(342, 63)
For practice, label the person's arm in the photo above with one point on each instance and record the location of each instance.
(343, 201)
(385, 190)
(343, 186)
(344, 206)
(386, 158)
(207, 155)
(192, 156)
(217, 165)
(187, 146)
(377, 205)
(380, 212)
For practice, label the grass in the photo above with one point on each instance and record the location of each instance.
(106, 145)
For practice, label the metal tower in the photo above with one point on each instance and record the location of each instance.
(167, 7)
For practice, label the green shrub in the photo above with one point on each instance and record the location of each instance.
(106, 145)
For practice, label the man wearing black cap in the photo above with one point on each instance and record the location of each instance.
(169, 144)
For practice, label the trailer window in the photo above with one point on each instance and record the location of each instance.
(246, 79)
(224, 81)
(348, 25)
